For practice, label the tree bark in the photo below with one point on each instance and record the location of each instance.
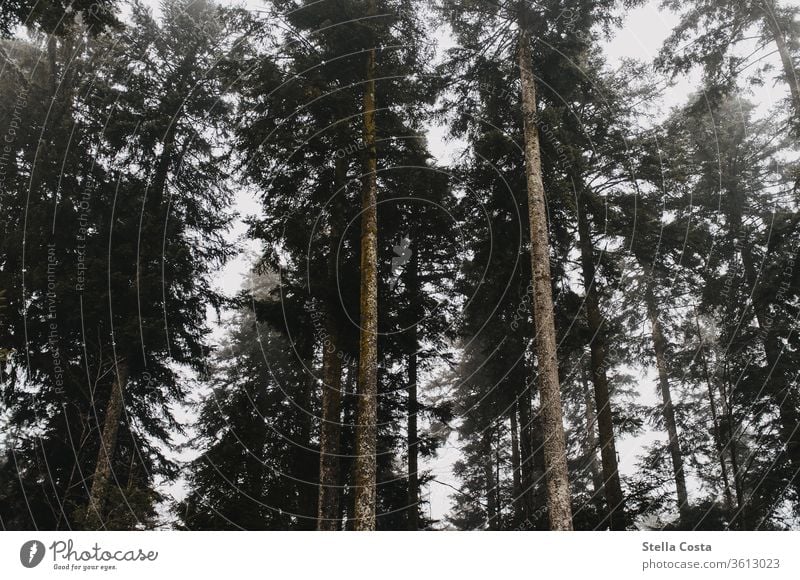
(558, 491)
(668, 410)
(330, 431)
(108, 447)
(612, 487)
(367, 416)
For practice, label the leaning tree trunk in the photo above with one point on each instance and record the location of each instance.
(330, 430)
(108, 446)
(367, 416)
(785, 54)
(668, 410)
(558, 492)
(781, 389)
(597, 345)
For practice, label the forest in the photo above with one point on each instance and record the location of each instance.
(399, 265)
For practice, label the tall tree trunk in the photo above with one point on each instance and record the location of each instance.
(716, 427)
(730, 443)
(538, 493)
(597, 345)
(786, 56)
(108, 447)
(516, 473)
(492, 508)
(306, 470)
(498, 495)
(347, 463)
(413, 442)
(330, 431)
(158, 186)
(668, 410)
(558, 492)
(591, 435)
(781, 390)
(527, 448)
(367, 416)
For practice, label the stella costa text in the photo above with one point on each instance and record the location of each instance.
(670, 547)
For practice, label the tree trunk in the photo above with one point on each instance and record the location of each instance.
(558, 492)
(527, 449)
(367, 416)
(591, 436)
(538, 494)
(413, 442)
(716, 428)
(108, 446)
(498, 496)
(516, 473)
(781, 390)
(786, 56)
(730, 443)
(492, 509)
(346, 460)
(668, 410)
(330, 431)
(158, 186)
(597, 345)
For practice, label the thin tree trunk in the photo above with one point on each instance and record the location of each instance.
(716, 428)
(488, 469)
(413, 442)
(731, 445)
(108, 446)
(558, 492)
(527, 449)
(786, 56)
(498, 497)
(516, 473)
(780, 389)
(668, 410)
(612, 487)
(367, 416)
(347, 463)
(591, 435)
(330, 431)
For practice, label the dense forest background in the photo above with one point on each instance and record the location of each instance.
(466, 233)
